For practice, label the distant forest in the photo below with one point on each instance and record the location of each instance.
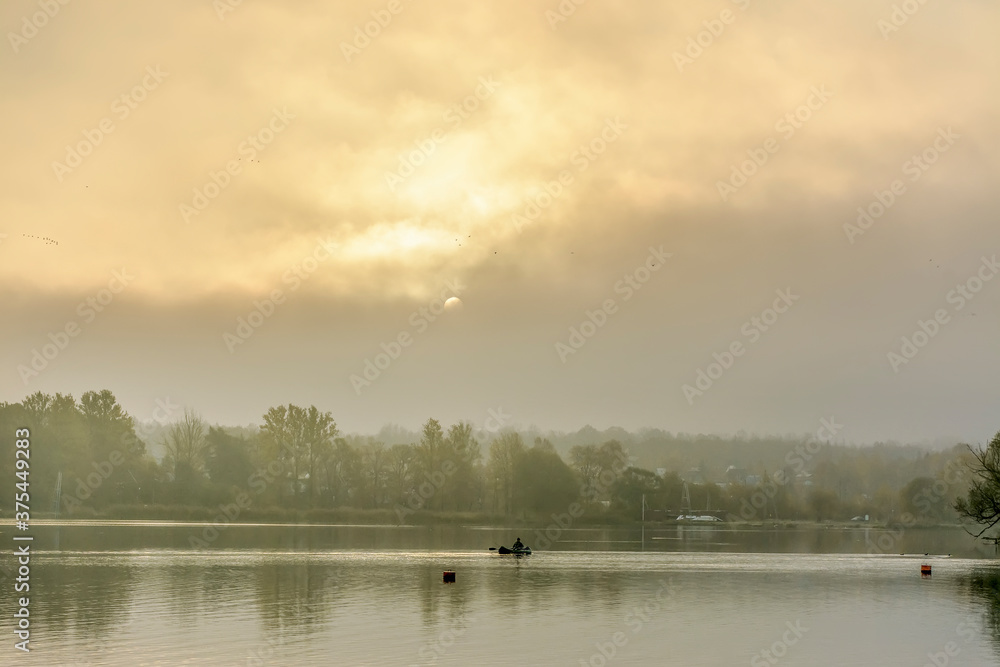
(296, 464)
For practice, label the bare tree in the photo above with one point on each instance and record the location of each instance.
(186, 446)
(982, 504)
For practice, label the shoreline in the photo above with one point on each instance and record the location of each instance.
(388, 519)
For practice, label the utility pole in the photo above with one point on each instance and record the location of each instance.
(643, 548)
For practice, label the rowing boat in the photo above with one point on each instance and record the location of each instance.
(526, 551)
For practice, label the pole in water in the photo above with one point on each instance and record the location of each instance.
(643, 534)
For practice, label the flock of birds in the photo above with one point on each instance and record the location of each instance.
(46, 239)
(470, 236)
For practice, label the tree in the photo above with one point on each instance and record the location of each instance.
(343, 471)
(318, 432)
(824, 503)
(110, 429)
(107, 421)
(462, 488)
(585, 461)
(228, 459)
(629, 488)
(982, 504)
(278, 447)
(598, 467)
(543, 481)
(431, 454)
(505, 452)
(375, 466)
(186, 453)
(400, 471)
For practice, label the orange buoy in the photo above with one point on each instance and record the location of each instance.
(449, 577)
(925, 570)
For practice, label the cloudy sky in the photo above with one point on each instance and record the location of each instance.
(236, 205)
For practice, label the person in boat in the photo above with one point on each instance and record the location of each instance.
(518, 544)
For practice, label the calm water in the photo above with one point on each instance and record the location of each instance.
(138, 595)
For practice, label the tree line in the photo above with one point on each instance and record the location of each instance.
(297, 459)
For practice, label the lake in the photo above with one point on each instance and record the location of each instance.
(136, 593)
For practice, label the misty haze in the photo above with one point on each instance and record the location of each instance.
(545, 333)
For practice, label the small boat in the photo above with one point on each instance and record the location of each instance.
(526, 551)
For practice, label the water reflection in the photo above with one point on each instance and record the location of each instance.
(375, 594)
(984, 585)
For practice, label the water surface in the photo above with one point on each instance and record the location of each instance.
(137, 595)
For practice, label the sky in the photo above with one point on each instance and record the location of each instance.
(701, 217)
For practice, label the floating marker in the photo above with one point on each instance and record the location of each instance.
(925, 570)
(449, 577)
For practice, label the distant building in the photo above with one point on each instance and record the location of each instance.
(736, 475)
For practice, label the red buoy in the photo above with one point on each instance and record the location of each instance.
(925, 570)
(449, 577)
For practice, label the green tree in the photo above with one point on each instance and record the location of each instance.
(431, 454)
(281, 445)
(824, 504)
(629, 488)
(462, 487)
(505, 451)
(107, 421)
(375, 467)
(111, 429)
(400, 470)
(543, 481)
(343, 473)
(318, 431)
(228, 461)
